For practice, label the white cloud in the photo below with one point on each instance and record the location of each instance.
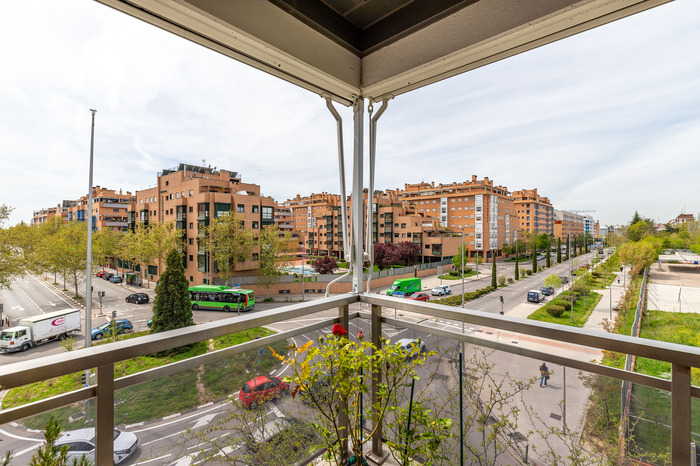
(606, 120)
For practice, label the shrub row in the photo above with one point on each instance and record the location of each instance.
(456, 300)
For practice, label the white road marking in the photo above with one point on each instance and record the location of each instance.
(203, 421)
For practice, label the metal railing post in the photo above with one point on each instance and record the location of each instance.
(104, 415)
(376, 378)
(680, 414)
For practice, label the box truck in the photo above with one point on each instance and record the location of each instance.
(32, 331)
(404, 287)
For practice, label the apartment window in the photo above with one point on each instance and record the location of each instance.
(177, 195)
(191, 225)
(191, 193)
(256, 256)
(403, 225)
(396, 235)
(240, 208)
(256, 225)
(191, 258)
(166, 183)
(255, 209)
(190, 240)
(190, 209)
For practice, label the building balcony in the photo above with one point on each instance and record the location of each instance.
(552, 338)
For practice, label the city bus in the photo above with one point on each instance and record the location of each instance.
(221, 297)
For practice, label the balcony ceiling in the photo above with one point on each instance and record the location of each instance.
(375, 49)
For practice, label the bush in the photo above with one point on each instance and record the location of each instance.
(510, 279)
(454, 273)
(501, 280)
(555, 311)
(566, 305)
(597, 274)
(527, 272)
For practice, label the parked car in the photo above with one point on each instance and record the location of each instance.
(260, 390)
(412, 348)
(535, 296)
(116, 327)
(281, 436)
(541, 257)
(419, 297)
(441, 290)
(137, 298)
(115, 279)
(564, 279)
(107, 275)
(101, 273)
(547, 290)
(82, 442)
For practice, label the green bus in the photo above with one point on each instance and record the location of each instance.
(221, 297)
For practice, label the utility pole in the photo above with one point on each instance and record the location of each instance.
(88, 262)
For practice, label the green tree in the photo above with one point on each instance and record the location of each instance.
(341, 363)
(552, 280)
(105, 246)
(51, 455)
(638, 230)
(517, 271)
(228, 242)
(494, 278)
(534, 252)
(163, 238)
(548, 248)
(558, 250)
(638, 255)
(172, 308)
(457, 259)
(274, 253)
(69, 251)
(10, 263)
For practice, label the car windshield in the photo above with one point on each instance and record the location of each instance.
(7, 336)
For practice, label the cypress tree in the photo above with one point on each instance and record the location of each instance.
(548, 262)
(517, 272)
(172, 307)
(558, 250)
(494, 283)
(534, 254)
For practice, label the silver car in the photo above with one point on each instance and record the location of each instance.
(81, 442)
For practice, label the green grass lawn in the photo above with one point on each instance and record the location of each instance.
(161, 397)
(581, 312)
(447, 276)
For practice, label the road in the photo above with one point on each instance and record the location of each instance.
(171, 440)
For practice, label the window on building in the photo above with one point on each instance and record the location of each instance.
(191, 193)
(191, 258)
(191, 226)
(256, 225)
(255, 209)
(190, 240)
(240, 208)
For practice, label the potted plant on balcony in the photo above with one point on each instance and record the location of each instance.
(348, 367)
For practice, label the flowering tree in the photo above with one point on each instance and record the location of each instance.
(348, 367)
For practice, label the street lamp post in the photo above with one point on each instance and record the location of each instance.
(462, 274)
(303, 279)
(88, 262)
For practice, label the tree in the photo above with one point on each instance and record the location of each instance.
(324, 265)
(639, 230)
(407, 252)
(384, 255)
(10, 265)
(638, 255)
(552, 280)
(163, 238)
(348, 367)
(172, 308)
(534, 252)
(51, 455)
(69, 250)
(517, 271)
(228, 242)
(547, 248)
(105, 246)
(558, 250)
(457, 259)
(494, 278)
(274, 253)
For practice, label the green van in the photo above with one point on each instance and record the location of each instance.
(404, 287)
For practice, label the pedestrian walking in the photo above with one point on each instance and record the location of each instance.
(618, 279)
(544, 374)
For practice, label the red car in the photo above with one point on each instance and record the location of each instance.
(419, 297)
(101, 273)
(260, 390)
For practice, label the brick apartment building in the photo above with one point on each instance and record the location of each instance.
(535, 212)
(316, 222)
(109, 210)
(191, 197)
(567, 223)
(486, 213)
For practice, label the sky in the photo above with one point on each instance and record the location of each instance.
(606, 121)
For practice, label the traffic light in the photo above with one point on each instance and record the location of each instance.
(83, 378)
(114, 315)
(500, 298)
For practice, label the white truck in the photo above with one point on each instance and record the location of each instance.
(32, 331)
